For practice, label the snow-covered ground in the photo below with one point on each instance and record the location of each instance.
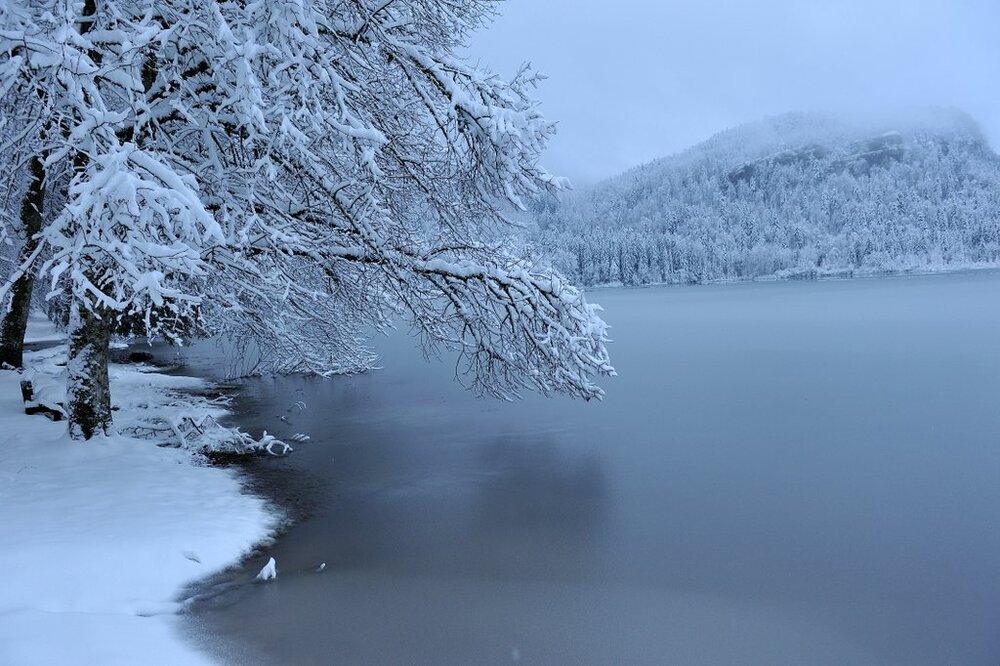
(98, 538)
(40, 330)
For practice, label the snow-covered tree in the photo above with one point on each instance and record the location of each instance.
(22, 199)
(289, 173)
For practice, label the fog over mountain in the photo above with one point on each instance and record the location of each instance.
(638, 80)
(796, 195)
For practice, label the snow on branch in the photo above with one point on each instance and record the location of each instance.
(294, 174)
(140, 223)
(191, 421)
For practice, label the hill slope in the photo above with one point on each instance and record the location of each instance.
(798, 195)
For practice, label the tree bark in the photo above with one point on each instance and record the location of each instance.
(15, 319)
(88, 391)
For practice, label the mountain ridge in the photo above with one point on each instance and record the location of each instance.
(799, 194)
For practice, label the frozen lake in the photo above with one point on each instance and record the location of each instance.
(783, 473)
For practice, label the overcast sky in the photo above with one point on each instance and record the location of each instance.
(633, 80)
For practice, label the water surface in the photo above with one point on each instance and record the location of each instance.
(783, 473)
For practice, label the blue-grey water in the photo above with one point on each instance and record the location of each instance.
(783, 473)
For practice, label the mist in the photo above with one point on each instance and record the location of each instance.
(642, 79)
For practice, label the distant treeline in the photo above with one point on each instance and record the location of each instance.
(795, 196)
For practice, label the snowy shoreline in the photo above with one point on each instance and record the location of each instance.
(832, 276)
(100, 538)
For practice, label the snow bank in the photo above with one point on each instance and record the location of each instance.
(97, 539)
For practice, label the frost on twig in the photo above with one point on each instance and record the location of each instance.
(192, 422)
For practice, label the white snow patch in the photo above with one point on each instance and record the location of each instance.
(269, 572)
(41, 330)
(100, 537)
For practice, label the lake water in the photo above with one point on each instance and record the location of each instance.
(783, 473)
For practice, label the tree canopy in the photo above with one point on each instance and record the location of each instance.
(291, 173)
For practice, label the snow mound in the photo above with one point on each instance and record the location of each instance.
(269, 571)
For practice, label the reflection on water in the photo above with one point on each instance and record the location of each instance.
(782, 474)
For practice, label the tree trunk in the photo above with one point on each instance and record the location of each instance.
(88, 392)
(88, 389)
(15, 319)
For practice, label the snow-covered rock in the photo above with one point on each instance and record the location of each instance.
(269, 571)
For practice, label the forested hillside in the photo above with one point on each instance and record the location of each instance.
(798, 195)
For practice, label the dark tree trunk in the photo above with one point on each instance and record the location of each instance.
(88, 392)
(15, 319)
